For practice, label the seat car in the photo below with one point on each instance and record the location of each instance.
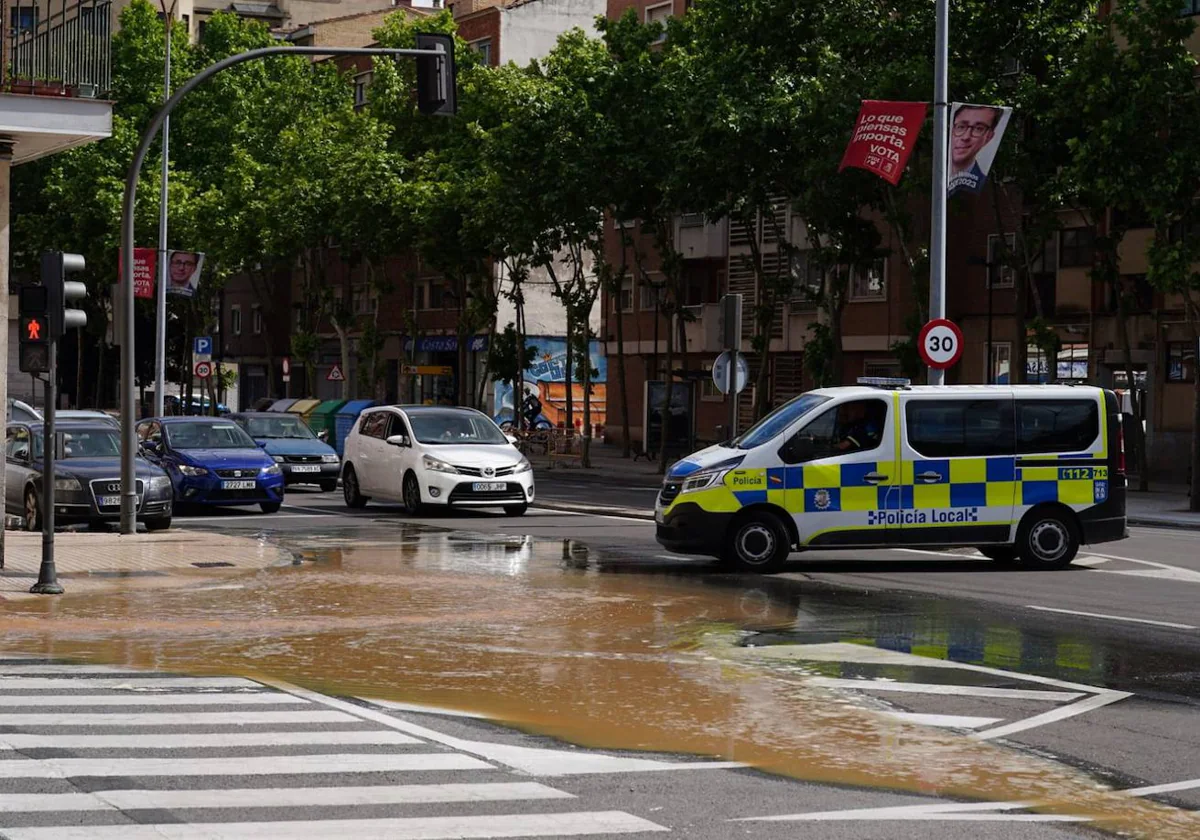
(87, 477)
(434, 456)
(285, 437)
(211, 461)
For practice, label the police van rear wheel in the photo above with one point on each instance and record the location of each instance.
(1047, 539)
(758, 542)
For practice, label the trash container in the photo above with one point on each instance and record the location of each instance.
(281, 405)
(323, 418)
(346, 416)
(303, 407)
(263, 404)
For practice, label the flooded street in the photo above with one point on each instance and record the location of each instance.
(552, 637)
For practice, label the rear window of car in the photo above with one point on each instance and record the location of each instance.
(960, 428)
(1052, 426)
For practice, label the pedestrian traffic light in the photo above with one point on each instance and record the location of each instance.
(34, 336)
(60, 291)
(436, 77)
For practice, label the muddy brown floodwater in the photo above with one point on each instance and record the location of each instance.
(538, 635)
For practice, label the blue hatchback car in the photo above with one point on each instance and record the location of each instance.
(303, 458)
(211, 461)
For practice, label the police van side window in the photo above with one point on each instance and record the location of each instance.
(1046, 426)
(960, 428)
(851, 427)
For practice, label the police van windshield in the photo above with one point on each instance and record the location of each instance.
(778, 421)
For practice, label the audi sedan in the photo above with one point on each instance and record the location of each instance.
(211, 461)
(87, 477)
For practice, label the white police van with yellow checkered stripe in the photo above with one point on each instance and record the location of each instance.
(1024, 473)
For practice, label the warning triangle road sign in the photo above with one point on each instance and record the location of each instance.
(335, 374)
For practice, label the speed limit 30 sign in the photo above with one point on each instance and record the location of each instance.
(940, 343)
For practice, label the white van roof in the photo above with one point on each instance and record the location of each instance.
(953, 390)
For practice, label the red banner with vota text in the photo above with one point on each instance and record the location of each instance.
(145, 261)
(884, 137)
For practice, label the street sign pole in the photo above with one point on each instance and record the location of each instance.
(937, 245)
(731, 335)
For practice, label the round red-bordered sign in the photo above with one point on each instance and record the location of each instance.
(203, 370)
(940, 344)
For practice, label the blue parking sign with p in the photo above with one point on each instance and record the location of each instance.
(203, 345)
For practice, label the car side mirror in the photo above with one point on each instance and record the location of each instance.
(149, 446)
(261, 444)
(398, 440)
(512, 439)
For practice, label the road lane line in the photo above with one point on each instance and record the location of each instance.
(259, 698)
(945, 688)
(947, 721)
(1113, 617)
(424, 710)
(173, 718)
(205, 740)
(15, 669)
(1170, 787)
(134, 682)
(1088, 704)
(66, 768)
(575, 824)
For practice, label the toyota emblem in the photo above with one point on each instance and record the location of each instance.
(488, 472)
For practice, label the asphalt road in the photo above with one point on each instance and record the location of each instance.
(1116, 638)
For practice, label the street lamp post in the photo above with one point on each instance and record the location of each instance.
(937, 245)
(128, 389)
(160, 320)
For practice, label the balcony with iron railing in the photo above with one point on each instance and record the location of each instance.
(58, 48)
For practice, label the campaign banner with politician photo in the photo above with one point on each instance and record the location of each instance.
(183, 272)
(975, 135)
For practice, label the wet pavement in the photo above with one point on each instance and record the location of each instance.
(606, 645)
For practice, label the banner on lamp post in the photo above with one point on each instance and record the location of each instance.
(183, 272)
(145, 265)
(975, 135)
(884, 137)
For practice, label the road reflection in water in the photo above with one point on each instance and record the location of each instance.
(546, 636)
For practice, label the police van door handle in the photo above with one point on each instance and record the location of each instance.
(929, 477)
(874, 478)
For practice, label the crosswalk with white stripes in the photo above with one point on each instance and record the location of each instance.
(95, 752)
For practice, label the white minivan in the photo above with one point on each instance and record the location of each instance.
(434, 455)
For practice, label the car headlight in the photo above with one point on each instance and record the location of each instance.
(159, 482)
(437, 465)
(272, 470)
(701, 480)
(278, 459)
(67, 484)
(523, 466)
(188, 469)
(331, 458)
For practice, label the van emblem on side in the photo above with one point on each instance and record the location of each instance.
(821, 499)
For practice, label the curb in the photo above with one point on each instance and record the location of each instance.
(1153, 522)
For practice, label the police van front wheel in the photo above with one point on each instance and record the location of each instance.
(758, 542)
(1047, 539)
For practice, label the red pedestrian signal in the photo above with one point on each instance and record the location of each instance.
(33, 330)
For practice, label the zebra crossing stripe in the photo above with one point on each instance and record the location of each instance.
(7, 669)
(405, 828)
(175, 718)
(258, 698)
(65, 768)
(216, 740)
(134, 683)
(132, 800)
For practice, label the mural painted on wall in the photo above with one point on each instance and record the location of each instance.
(545, 397)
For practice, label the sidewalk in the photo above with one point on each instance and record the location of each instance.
(1164, 508)
(91, 562)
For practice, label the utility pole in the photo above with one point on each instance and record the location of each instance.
(160, 325)
(941, 107)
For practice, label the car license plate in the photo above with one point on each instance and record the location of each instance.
(306, 468)
(237, 485)
(110, 501)
(489, 486)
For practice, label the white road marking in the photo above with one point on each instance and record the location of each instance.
(12, 670)
(1163, 571)
(1112, 617)
(948, 721)
(404, 828)
(945, 688)
(531, 760)
(136, 683)
(172, 718)
(1088, 704)
(259, 698)
(422, 709)
(65, 768)
(647, 519)
(327, 797)
(213, 740)
(1170, 787)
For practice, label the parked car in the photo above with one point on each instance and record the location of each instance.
(434, 455)
(211, 461)
(87, 479)
(285, 437)
(196, 407)
(22, 412)
(88, 415)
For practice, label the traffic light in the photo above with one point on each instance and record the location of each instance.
(35, 330)
(436, 77)
(60, 291)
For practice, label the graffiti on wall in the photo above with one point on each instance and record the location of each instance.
(546, 382)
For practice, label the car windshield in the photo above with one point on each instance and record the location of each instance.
(778, 421)
(284, 426)
(85, 443)
(454, 427)
(207, 436)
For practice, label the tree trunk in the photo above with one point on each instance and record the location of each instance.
(344, 352)
(586, 445)
(518, 392)
(683, 364)
(1194, 476)
(1111, 270)
(623, 389)
(570, 369)
(665, 410)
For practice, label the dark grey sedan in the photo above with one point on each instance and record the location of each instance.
(87, 480)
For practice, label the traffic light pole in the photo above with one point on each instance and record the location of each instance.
(47, 582)
(128, 388)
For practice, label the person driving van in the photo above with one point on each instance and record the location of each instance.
(856, 431)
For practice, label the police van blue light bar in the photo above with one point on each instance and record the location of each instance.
(884, 381)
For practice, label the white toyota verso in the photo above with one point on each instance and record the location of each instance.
(434, 455)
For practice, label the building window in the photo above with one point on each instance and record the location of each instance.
(624, 299)
(1001, 364)
(362, 301)
(881, 367)
(1181, 361)
(1189, 7)
(649, 297)
(660, 14)
(1000, 273)
(708, 388)
(1137, 290)
(22, 18)
(419, 296)
(624, 224)
(1075, 248)
(870, 284)
(691, 220)
(484, 48)
(235, 319)
(256, 319)
(807, 278)
(200, 27)
(361, 83)
(1071, 366)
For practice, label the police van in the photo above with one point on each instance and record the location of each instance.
(1023, 473)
